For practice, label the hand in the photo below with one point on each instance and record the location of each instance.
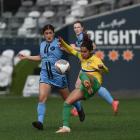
(100, 66)
(60, 46)
(22, 56)
(73, 45)
(60, 38)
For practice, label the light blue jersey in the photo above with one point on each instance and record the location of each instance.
(50, 52)
(79, 40)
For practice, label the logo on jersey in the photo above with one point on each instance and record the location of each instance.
(89, 63)
(52, 48)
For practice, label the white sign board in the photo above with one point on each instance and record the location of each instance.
(31, 87)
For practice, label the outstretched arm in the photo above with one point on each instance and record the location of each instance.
(69, 48)
(27, 57)
(75, 48)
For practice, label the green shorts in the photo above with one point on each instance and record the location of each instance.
(95, 88)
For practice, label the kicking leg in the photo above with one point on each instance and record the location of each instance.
(87, 82)
(105, 94)
(78, 83)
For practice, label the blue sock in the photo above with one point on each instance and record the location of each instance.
(41, 109)
(77, 105)
(105, 94)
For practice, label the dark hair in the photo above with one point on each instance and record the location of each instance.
(85, 36)
(88, 44)
(80, 22)
(47, 27)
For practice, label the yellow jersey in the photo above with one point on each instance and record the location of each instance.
(90, 65)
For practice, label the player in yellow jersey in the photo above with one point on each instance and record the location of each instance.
(90, 76)
(81, 34)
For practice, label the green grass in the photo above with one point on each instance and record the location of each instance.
(17, 114)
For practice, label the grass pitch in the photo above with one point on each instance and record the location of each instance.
(17, 114)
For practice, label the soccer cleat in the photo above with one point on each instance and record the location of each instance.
(37, 125)
(74, 112)
(63, 129)
(115, 106)
(81, 114)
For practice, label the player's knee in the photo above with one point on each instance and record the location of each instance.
(77, 84)
(42, 99)
(66, 103)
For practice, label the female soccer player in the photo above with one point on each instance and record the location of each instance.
(91, 78)
(50, 52)
(102, 92)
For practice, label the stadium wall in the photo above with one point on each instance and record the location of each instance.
(18, 44)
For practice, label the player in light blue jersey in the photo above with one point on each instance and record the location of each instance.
(102, 92)
(50, 52)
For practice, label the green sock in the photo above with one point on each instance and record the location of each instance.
(66, 114)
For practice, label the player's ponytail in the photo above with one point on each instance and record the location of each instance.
(85, 37)
(87, 42)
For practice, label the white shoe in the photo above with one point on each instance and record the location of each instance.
(63, 129)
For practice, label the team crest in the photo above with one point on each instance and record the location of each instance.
(88, 63)
(52, 48)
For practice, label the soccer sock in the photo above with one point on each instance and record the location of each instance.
(77, 105)
(41, 109)
(105, 94)
(66, 114)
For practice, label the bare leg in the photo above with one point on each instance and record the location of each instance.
(78, 82)
(44, 90)
(74, 96)
(64, 93)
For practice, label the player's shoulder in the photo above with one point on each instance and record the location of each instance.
(43, 43)
(95, 57)
(56, 40)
